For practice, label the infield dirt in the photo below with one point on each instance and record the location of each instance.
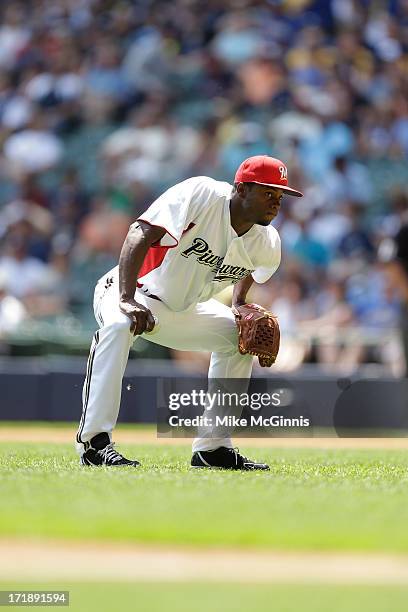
(59, 560)
(127, 436)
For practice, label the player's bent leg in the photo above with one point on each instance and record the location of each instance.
(210, 326)
(103, 383)
(213, 447)
(228, 374)
(102, 392)
(229, 371)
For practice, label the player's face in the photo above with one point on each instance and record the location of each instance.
(262, 203)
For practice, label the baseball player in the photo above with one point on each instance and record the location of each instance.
(197, 238)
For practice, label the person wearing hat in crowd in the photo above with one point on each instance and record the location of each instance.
(197, 238)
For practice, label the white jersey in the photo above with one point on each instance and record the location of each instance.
(200, 254)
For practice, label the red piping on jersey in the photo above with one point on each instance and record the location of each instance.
(156, 253)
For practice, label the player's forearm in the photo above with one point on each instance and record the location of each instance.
(139, 239)
(241, 289)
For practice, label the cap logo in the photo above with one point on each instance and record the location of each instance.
(265, 170)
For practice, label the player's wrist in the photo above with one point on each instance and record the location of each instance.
(126, 297)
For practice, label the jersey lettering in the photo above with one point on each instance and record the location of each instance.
(199, 246)
(206, 257)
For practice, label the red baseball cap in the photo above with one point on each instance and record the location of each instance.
(265, 170)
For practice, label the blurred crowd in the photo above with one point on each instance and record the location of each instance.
(106, 103)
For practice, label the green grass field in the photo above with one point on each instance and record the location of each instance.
(311, 500)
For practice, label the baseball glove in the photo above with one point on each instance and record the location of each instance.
(258, 333)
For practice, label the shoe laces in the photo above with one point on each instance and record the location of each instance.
(109, 453)
(238, 455)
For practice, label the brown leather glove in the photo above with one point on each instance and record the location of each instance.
(258, 333)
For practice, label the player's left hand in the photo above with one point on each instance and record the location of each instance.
(258, 332)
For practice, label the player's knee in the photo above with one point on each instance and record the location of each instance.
(233, 351)
(120, 328)
(231, 337)
(230, 347)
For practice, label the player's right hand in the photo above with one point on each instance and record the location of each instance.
(141, 317)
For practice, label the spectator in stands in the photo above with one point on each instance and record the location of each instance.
(12, 312)
(26, 277)
(113, 102)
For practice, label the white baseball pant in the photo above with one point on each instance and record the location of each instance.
(208, 326)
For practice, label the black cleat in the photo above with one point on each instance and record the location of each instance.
(225, 458)
(102, 452)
